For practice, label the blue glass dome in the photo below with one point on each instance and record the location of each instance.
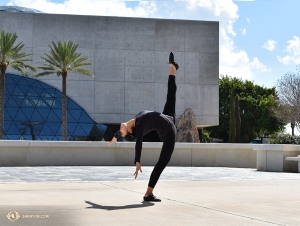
(33, 111)
(17, 9)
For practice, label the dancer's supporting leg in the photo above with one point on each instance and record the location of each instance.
(169, 142)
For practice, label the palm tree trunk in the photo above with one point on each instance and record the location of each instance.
(2, 88)
(64, 107)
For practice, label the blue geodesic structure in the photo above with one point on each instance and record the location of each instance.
(33, 111)
(18, 9)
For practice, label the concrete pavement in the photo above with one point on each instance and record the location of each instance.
(110, 196)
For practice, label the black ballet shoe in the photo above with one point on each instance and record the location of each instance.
(151, 198)
(171, 61)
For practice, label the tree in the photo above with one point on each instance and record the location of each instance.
(288, 88)
(286, 114)
(255, 104)
(62, 59)
(232, 128)
(237, 120)
(11, 55)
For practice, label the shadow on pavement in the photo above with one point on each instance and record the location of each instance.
(96, 206)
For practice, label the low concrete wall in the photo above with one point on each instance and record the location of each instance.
(271, 157)
(60, 153)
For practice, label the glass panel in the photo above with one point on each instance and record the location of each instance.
(27, 137)
(85, 118)
(71, 118)
(57, 138)
(36, 116)
(71, 104)
(52, 117)
(43, 112)
(12, 137)
(8, 79)
(11, 103)
(7, 126)
(36, 84)
(22, 81)
(32, 101)
(71, 128)
(21, 116)
(102, 128)
(29, 81)
(58, 113)
(17, 91)
(9, 88)
(58, 95)
(34, 92)
(75, 113)
(42, 104)
(12, 112)
(13, 129)
(15, 78)
(18, 98)
(86, 128)
(78, 131)
(23, 88)
(55, 128)
(46, 130)
(28, 112)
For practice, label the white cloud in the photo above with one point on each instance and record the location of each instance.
(248, 20)
(233, 62)
(270, 45)
(293, 52)
(258, 66)
(89, 7)
(243, 31)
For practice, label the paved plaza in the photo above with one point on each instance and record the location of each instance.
(88, 196)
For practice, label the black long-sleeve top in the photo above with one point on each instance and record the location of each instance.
(147, 121)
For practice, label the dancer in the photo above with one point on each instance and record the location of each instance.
(147, 121)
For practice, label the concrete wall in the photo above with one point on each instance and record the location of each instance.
(129, 57)
(263, 157)
(271, 157)
(60, 153)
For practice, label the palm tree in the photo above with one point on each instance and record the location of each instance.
(62, 59)
(11, 55)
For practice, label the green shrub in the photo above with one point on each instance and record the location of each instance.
(285, 139)
(203, 136)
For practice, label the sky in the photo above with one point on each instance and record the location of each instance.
(259, 39)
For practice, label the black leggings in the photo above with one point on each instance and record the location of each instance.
(169, 141)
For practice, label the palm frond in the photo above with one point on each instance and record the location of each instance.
(83, 72)
(20, 69)
(45, 73)
(63, 57)
(51, 61)
(11, 55)
(23, 65)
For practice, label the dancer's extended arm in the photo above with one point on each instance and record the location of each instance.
(137, 169)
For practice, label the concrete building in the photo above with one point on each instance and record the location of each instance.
(129, 57)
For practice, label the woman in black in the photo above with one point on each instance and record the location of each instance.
(164, 125)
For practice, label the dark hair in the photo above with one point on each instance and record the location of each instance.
(130, 136)
(118, 135)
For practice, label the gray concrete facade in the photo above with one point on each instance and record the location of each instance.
(129, 57)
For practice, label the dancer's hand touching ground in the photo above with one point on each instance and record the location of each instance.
(112, 141)
(137, 169)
